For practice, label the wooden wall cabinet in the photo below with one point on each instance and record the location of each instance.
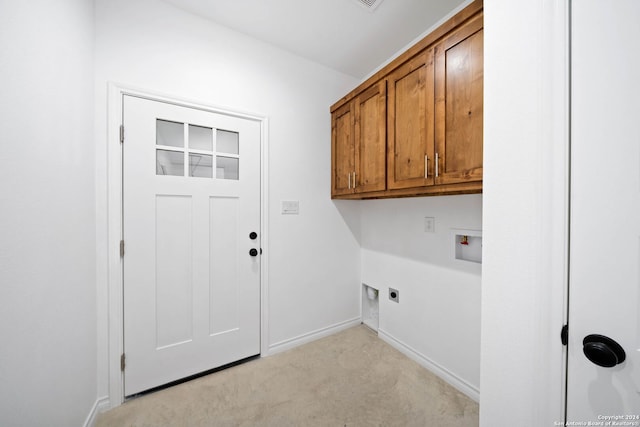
(415, 127)
(342, 150)
(458, 107)
(358, 137)
(410, 124)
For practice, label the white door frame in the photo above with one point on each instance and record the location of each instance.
(114, 220)
(554, 195)
(535, 55)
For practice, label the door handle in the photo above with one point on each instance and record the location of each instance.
(603, 351)
(253, 235)
(253, 252)
(426, 167)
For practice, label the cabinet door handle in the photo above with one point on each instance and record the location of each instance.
(426, 167)
(436, 165)
(349, 180)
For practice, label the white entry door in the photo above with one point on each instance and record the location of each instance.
(604, 296)
(191, 197)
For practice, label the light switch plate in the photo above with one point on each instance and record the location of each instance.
(290, 207)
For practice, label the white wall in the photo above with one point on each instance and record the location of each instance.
(47, 219)
(47, 321)
(438, 316)
(523, 278)
(313, 257)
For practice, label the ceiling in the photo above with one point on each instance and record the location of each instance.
(341, 34)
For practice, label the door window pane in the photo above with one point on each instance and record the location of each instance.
(227, 167)
(169, 163)
(200, 165)
(226, 142)
(169, 133)
(200, 138)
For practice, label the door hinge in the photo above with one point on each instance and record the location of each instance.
(121, 248)
(121, 134)
(122, 362)
(564, 335)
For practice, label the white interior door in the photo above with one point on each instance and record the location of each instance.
(191, 197)
(605, 213)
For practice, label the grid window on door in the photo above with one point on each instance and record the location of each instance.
(203, 146)
(227, 158)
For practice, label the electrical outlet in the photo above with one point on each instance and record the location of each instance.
(429, 224)
(394, 295)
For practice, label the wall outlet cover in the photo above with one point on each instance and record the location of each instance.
(429, 224)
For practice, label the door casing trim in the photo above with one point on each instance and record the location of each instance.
(115, 323)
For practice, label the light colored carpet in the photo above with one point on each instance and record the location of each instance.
(350, 379)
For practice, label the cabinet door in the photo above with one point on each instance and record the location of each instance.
(410, 123)
(371, 139)
(459, 85)
(342, 150)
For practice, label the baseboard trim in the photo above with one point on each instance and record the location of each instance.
(100, 405)
(455, 381)
(311, 336)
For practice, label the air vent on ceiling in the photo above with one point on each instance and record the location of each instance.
(370, 5)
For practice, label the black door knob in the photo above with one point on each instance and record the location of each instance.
(253, 235)
(253, 252)
(603, 351)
